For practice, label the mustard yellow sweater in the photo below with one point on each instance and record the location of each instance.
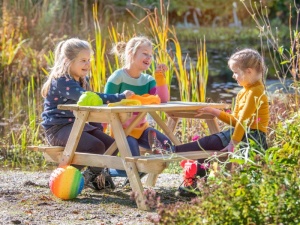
(251, 110)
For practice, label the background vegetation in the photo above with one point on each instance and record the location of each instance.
(31, 28)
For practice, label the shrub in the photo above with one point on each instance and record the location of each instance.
(264, 193)
(261, 190)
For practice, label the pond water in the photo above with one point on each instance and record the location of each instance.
(226, 91)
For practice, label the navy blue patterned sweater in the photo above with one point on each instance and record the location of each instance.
(66, 90)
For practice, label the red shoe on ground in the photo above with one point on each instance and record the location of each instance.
(189, 184)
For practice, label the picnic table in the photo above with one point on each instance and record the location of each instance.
(115, 116)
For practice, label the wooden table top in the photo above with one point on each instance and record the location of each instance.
(166, 107)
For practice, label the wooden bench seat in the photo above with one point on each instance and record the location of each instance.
(155, 164)
(148, 163)
(151, 164)
(171, 157)
(54, 154)
(50, 153)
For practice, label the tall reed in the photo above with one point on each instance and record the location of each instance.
(285, 59)
(98, 67)
(116, 36)
(191, 77)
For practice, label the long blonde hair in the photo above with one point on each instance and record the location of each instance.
(65, 52)
(126, 51)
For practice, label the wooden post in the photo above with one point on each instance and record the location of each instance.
(130, 167)
(81, 117)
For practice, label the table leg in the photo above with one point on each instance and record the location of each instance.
(172, 123)
(151, 179)
(130, 167)
(168, 130)
(127, 131)
(165, 128)
(74, 137)
(213, 125)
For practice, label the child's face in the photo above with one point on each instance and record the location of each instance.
(80, 66)
(238, 75)
(244, 78)
(143, 57)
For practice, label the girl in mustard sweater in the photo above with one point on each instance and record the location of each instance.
(250, 117)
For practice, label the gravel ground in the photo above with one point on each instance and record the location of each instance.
(25, 198)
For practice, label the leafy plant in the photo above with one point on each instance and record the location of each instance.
(264, 193)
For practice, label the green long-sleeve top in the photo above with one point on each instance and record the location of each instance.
(251, 110)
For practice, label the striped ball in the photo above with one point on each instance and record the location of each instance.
(66, 182)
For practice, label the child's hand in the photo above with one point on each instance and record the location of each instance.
(161, 68)
(229, 147)
(128, 93)
(208, 110)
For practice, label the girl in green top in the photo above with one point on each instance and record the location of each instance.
(136, 56)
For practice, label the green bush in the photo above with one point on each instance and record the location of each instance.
(264, 193)
(264, 190)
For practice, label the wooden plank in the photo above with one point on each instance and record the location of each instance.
(52, 156)
(151, 179)
(50, 153)
(44, 148)
(127, 131)
(155, 168)
(96, 117)
(188, 114)
(130, 167)
(111, 149)
(172, 123)
(135, 122)
(74, 137)
(136, 185)
(118, 131)
(96, 160)
(213, 126)
(165, 128)
(170, 106)
(173, 157)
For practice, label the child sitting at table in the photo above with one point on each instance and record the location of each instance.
(250, 117)
(65, 84)
(136, 56)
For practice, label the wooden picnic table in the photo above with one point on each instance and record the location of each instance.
(115, 116)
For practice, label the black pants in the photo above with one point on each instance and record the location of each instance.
(219, 141)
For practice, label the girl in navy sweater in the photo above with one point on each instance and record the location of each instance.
(65, 84)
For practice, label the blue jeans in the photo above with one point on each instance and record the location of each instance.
(143, 141)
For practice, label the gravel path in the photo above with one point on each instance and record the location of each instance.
(25, 198)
